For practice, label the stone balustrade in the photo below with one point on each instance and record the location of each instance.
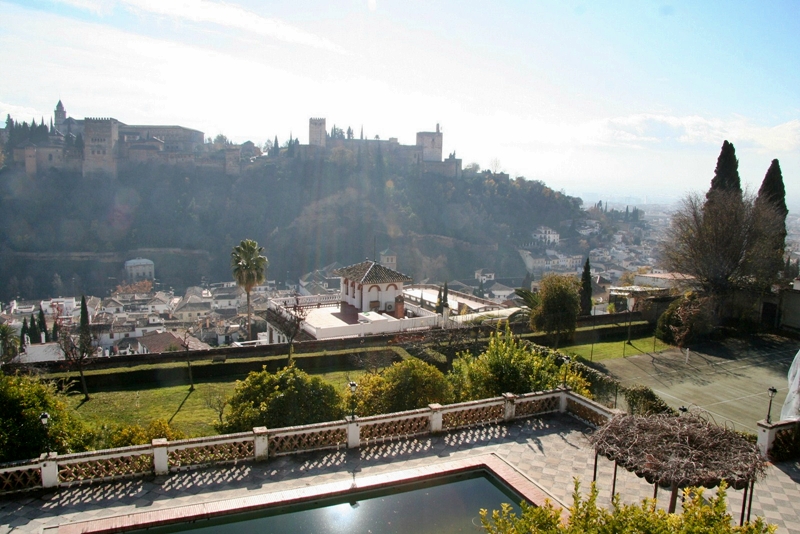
(768, 432)
(162, 457)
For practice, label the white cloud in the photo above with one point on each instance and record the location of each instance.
(219, 13)
(642, 130)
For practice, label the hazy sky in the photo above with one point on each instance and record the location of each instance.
(623, 98)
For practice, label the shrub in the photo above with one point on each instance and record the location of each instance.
(685, 321)
(699, 514)
(22, 435)
(508, 366)
(405, 385)
(288, 397)
(642, 400)
(138, 435)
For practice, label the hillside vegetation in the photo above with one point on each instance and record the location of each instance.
(307, 213)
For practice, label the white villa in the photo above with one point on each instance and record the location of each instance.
(369, 286)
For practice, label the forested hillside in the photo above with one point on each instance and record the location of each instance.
(306, 212)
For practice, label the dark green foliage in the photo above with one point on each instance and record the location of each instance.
(700, 513)
(287, 398)
(586, 289)
(510, 366)
(322, 209)
(22, 436)
(34, 333)
(772, 189)
(84, 334)
(42, 324)
(405, 385)
(685, 321)
(439, 305)
(786, 445)
(444, 296)
(726, 175)
(642, 400)
(24, 331)
(772, 193)
(557, 313)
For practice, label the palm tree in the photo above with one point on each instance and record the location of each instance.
(249, 270)
(9, 341)
(530, 301)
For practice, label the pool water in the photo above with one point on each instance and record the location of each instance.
(441, 505)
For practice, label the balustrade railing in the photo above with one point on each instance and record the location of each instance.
(162, 457)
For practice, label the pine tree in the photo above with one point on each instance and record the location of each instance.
(726, 175)
(586, 289)
(42, 324)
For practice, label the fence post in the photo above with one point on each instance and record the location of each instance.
(509, 406)
(353, 432)
(766, 436)
(435, 417)
(160, 456)
(562, 398)
(49, 469)
(260, 443)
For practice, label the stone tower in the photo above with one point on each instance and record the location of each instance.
(389, 259)
(431, 143)
(60, 115)
(100, 136)
(317, 134)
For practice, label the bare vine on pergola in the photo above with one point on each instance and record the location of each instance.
(680, 451)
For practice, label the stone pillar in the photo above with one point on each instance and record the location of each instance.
(49, 468)
(353, 432)
(766, 436)
(160, 456)
(509, 408)
(261, 443)
(436, 417)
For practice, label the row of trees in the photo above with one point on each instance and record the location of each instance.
(291, 397)
(730, 241)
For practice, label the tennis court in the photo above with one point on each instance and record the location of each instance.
(729, 380)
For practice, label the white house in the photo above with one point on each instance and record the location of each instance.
(547, 235)
(369, 286)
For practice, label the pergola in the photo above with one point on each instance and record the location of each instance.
(679, 451)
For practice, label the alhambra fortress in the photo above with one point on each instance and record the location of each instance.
(103, 146)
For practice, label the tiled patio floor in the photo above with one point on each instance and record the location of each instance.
(550, 451)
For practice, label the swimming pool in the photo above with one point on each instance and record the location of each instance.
(439, 505)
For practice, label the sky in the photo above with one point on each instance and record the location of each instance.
(622, 101)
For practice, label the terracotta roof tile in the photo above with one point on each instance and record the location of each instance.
(370, 272)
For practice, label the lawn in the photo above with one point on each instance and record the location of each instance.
(187, 411)
(615, 349)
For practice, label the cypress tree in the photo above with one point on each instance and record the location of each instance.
(726, 175)
(42, 323)
(33, 331)
(438, 308)
(444, 296)
(772, 189)
(773, 194)
(56, 332)
(586, 289)
(23, 333)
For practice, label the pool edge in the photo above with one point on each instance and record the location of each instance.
(493, 464)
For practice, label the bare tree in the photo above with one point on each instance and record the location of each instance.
(725, 243)
(290, 322)
(76, 354)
